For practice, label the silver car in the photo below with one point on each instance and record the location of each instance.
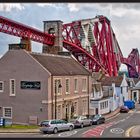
(81, 121)
(55, 126)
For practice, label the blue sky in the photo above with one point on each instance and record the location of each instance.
(125, 19)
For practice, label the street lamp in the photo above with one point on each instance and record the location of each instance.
(58, 86)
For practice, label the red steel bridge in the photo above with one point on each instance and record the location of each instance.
(91, 41)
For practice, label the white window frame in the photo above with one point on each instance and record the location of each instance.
(11, 94)
(75, 90)
(68, 86)
(2, 86)
(84, 87)
(4, 112)
(58, 89)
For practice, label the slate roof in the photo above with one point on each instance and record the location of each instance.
(59, 65)
(107, 81)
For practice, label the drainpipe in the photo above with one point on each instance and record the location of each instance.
(88, 95)
(52, 94)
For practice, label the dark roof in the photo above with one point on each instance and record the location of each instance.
(107, 81)
(136, 80)
(60, 65)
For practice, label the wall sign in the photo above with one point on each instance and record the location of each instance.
(30, 85)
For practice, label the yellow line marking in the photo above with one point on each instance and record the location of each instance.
(128, 131)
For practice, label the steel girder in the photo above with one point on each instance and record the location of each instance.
(105, 55)
(133, 63)
(17, 29)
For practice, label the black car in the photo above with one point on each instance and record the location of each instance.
(97, 119)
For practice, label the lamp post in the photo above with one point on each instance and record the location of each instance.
(58, 86)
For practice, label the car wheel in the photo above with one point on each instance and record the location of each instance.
(82, 125)
(98, 123)
(55, 130)
(71, 128)
(90, 124)
(44, 132)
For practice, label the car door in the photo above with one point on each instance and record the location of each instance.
(59, 125)
(65, 125)
(86, 121)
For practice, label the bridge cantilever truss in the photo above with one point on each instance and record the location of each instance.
(91, 41)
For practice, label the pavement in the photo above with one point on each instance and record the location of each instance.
(133, 131)
(4, 130)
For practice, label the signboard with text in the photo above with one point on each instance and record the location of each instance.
(30, 85)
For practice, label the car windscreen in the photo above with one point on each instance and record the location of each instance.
(45, 122)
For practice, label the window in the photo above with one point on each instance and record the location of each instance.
(1, 86)
(7, 112)
(84, 85)
(57, 85)
(67, 86)
(75, 85)
(12, 87)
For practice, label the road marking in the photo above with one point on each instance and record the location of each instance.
(122, 120)
(113, 117)
(101, 132)
(128, 131)
(128, 117)
(47, 135)
(67, 134)
(97, 131)
(117, 130)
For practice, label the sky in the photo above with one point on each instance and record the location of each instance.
(124, 17)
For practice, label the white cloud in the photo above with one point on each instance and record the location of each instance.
(7, 7)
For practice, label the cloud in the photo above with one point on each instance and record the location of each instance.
(7, 7)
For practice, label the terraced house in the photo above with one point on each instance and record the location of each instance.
(34, 87)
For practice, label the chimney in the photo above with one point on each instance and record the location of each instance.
(53, 27)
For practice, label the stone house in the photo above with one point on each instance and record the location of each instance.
(34, 87)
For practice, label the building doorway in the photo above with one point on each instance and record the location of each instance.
(135, 96)
(96, 111)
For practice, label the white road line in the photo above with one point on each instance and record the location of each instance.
(122, 120)
(101, 132)
(128, 117)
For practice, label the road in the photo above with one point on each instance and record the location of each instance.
(112, 128)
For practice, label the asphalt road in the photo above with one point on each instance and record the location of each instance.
(112, 128)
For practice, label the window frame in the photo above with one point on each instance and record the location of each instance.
(2, 86)
(84, 87)
(5, 113)
(75, 88)
(57, 88)
(11, 94)
(68, 86)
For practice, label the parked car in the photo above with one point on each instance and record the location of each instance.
(55, 126)
(81, 121)
(124, 109)
(97, 119)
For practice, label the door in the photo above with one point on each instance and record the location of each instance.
(96, 111)
(135, 96)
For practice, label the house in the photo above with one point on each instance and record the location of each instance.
(34, 87)
(99, 99)
(108, 93)
(135, 91)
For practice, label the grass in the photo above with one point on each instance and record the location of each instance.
(20, 127)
